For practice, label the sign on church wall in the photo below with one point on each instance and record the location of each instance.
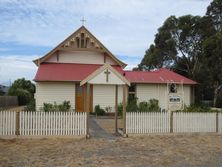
(175, 101)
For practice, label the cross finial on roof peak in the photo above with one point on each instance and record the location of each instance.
(83, 20)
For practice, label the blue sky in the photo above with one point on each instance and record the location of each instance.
(31, 28)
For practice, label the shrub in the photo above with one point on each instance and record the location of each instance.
(99, 111)
(219, 100)
(24, 89)
(132, 105)
(65, 106)
(108, 109)
(24, 96)
(143, 106)
(120, 109)
(47, 107)
(154, 105)
(197, 108)
(30, 106)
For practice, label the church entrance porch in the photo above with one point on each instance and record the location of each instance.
(110, 123)
(104, 78)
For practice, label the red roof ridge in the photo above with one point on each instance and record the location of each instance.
(158, 70)
(175, 73)
(75, 64)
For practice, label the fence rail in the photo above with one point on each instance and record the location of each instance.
(42, 123)
(163, 122)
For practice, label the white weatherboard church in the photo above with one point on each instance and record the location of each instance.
(82, 60)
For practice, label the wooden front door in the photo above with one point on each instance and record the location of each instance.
(81, 98)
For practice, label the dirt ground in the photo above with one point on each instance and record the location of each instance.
(164, 150)
(109, 124)
(203, 150)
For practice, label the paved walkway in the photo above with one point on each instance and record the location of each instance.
(97, 131)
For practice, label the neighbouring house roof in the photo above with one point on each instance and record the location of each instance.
(79, 72)
(4, 88)
(162, 75)
(100, 48)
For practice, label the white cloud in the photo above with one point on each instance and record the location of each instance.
(126, 27)
(17, 66)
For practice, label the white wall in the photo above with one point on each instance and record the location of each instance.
(101, 78)
(84, 57)
(104, 95)
(50, 92)
(187, 95)
(110, 61)
(145, 92)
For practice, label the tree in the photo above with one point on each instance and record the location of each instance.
(163, 52)
(214, 12)
(190, 45)
(24, 89)
(177, 45)
(213, 62)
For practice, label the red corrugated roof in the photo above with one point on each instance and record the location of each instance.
(162, 75)
(66, 71)
(78, 72)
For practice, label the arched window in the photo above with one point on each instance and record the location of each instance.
(86, 44)
(82, 40)
(77, 42)
(172, 88)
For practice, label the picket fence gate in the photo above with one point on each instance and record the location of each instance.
(42, 123)
(165, 122)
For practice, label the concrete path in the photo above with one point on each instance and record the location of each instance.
(97, 131)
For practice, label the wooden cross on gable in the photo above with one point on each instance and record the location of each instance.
(107, 75)
(83, 21)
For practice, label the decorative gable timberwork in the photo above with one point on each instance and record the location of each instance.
(81, 40)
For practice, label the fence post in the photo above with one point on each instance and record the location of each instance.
(217, 121)
(17, 127)
(171, 121)
(87, 109)
(116, 110)
(124, 110)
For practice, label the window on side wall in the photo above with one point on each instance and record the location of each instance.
(132, 91)
(172, 88)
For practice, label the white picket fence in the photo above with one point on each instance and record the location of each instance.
(160, 122)
(7, 123)
(52, 123)
(43, 123)
(147, 122)
(194, 122)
